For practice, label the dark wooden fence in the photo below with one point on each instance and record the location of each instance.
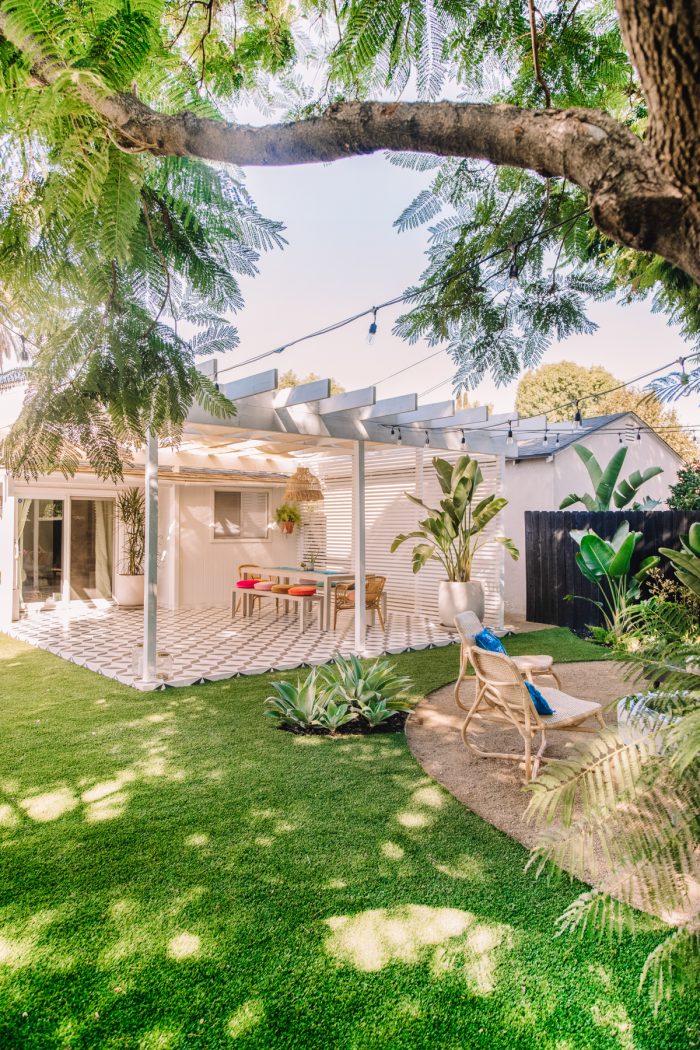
(550, 565)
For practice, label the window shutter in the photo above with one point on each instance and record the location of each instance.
(254, 515)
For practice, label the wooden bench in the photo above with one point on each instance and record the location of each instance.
(306, 603)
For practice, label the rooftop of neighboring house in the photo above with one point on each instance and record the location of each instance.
(562, 435)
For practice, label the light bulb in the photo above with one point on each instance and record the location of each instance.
(684, 378)
(427, 438)
(393, 431)
(399, 437)
(545, 439)
(620, 437)
(557, 442)
(639, 434)
(371, 334)
(509, 440)
(464, 438)
(577, 417)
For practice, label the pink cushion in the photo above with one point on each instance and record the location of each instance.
(263, 585)
(246, 585)
(302, 592)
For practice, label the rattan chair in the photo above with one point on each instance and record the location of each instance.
(503, 701)
(468, 626)
(345, 597)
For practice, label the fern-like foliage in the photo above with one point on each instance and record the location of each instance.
(623, 810)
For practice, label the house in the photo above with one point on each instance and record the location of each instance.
(539, 475)
(215, 497)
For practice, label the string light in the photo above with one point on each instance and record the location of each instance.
(620, 437)
(427, 438)
(464, 438)
(557, 442)
(393, 431)
(509, 440)
(372, 333)
(399, 438)
(513, 270)
(545, 439)
(639, 434)
(684, 377)
(578, 421)
(405, 296)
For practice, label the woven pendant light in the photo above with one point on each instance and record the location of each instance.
(303, 487)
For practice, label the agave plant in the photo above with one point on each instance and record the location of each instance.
(608, 564)
(686, 562)
(297, 706)
(604, 481)
(453, 532)
(366, 687)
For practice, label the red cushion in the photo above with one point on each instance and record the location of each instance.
(246, 585)
(302, 592)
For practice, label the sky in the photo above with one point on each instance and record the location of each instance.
(344, 255)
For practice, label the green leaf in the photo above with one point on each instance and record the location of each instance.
(606, 485)
(596, 554)
(591, 464)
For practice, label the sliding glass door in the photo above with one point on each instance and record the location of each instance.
(40, 533)
(91, 548)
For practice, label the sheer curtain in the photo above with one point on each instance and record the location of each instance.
(23, 508)
(104, 547)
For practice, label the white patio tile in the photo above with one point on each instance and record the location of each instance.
(205, 644)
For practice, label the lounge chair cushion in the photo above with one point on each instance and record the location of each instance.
(541, 704)
(263, 585)
(246, 585)
(568, 707)
(280, 588)
(533, 664)
(487, 640)
(302, 592)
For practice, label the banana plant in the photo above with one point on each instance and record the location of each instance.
(608, 564)
(605, 480)
(686, 562)
(453, 532)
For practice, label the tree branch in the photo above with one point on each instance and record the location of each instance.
(631, 199)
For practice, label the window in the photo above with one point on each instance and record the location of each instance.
(241, 515)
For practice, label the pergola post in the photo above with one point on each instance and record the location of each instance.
(150, 579)
(359, 544)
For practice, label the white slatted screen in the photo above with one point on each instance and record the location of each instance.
(327, 527)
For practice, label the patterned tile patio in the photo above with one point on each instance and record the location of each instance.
(206, 645)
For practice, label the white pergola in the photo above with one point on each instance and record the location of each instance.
(294, 420)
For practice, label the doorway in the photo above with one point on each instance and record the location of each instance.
(40, 532)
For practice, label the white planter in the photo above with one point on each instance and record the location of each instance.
(128, 590)
(454, 598)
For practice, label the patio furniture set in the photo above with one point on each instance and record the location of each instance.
(507, 697)
(308, 591)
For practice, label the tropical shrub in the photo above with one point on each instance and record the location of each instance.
(685, 494)
(686, 562)
(608, 564)
(454, 532)
(345, 694)
(604, 480)
(624, 813)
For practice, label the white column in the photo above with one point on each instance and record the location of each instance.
(358, 536)
(150, 579)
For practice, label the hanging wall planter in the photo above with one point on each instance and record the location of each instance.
(287, 516)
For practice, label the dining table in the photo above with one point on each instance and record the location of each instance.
(326, 577)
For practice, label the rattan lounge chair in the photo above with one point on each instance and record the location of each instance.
(468, 626)
(503, 701)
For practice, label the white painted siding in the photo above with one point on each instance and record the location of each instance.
(327, 529)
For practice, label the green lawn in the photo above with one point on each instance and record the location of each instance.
(176, 873)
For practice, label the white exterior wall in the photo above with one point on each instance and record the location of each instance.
(388, 476)
(193, 568)
(541, 484)
(208, 567)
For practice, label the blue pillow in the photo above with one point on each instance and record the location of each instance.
(540, 701)
(486, 639)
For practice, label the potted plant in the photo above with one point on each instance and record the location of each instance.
(287, 516)
(131, 512)
(453, 533)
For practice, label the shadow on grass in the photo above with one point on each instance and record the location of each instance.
(176, 873)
